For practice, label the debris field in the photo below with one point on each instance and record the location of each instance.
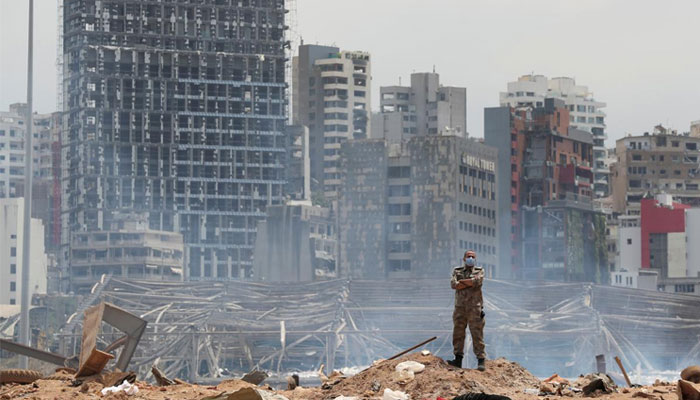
(438, 379)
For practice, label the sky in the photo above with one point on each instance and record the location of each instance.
(640, 57)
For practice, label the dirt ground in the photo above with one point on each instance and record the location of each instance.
(439, 379)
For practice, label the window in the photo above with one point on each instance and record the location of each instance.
(399, 190)
(629, 241)
(637, 157)
(399, 209)
(685, 288)
(13, 287)
(399, 172)
(400, 265)
(403, 246)
(675, 143)
(401, 228)
(13, 268)
(13, 252)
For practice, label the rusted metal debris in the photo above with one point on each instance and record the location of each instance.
(91, 360)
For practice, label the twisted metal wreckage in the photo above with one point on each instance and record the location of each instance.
(200, 330)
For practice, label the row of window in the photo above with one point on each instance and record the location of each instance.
(477, 210)
(637, 184)
(476, 228)
(477, 247)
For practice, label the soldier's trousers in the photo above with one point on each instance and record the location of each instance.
(471, 317)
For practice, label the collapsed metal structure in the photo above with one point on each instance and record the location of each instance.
(198, 330)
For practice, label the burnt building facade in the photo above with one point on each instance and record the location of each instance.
(411, 209)
(175, 109)
(549, 228)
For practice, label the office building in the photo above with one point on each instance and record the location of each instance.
(175, 109)
(411, 209)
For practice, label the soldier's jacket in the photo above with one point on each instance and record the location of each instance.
(469, 297)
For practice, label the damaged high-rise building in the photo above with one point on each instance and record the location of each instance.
(176, 109)
(548, 225)
(411, 209)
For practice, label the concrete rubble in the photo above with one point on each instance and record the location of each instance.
(503, 380)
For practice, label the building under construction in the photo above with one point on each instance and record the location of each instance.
(176, 109)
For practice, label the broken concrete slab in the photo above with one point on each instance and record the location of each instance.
(255, 377)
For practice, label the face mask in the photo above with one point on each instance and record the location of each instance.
(470, 261)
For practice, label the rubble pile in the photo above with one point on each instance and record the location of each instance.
(438, 379)
(385, 379)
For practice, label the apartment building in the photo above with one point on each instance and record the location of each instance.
(662, 161)
(585, 113)
(548, 227)
(411, 209)
(423, 108)
(332, 97)
(11, 244)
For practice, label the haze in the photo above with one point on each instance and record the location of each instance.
(640, 57)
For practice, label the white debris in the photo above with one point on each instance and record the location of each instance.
(412, 366)
(395, 395)
(125, 387)
(425, 352)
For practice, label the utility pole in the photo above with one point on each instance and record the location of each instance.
(26, 237)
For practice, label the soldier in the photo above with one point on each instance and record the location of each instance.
(469, 309)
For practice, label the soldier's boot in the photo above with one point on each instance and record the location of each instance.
(482, 365)
(457, 362)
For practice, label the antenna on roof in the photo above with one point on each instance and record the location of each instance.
(433, 68)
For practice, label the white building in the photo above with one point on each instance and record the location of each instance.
(11, 154)
(11, 242)
(331, 91)
(585, 113)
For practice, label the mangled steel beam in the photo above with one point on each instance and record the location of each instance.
(31, 352)
(92, 360)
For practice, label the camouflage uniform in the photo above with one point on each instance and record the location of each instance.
(469, 310)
